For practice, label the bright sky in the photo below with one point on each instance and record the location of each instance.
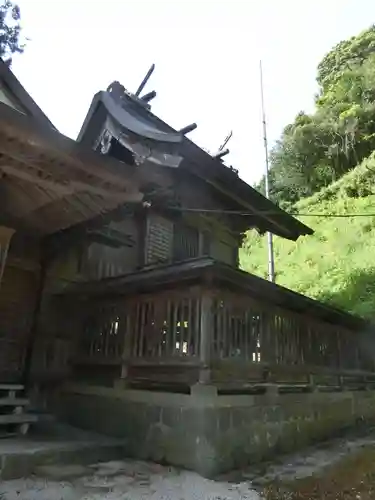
(206, 53)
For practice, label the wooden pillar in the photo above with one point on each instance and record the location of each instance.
(31, 340)
(206, 336)
(141, 218)
(339, 350)
(6, 234)
(126, 333)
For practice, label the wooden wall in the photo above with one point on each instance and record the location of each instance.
(101, 261)
(158, 236)
(18, 292)
(173, 240)
(153, 236)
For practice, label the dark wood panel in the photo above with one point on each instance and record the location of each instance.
(164, 374)
(17, 303)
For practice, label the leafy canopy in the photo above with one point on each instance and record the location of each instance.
(10, 30)
(316, 150)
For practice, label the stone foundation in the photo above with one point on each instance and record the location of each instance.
(213, 434)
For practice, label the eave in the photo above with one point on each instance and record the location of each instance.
(49, 182)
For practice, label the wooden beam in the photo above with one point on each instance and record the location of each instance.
(70, 186)
(118, 197)
(60, 189)
(20, 131)
(6, 234)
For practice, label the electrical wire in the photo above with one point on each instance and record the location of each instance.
(247, 214)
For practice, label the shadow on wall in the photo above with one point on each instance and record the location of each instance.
(356, 296)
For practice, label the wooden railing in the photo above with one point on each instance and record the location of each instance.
(256, 341)
(217, 331)
(154, 336)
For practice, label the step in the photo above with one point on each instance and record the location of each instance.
(11, 387)
(62, 472)
(22, 458)
(16, 424)
(14, 402)
(21, 418)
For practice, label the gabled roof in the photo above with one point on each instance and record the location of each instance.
(134, 116)
(22, 100)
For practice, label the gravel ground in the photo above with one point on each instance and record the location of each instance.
(124, 481)
(341, 469)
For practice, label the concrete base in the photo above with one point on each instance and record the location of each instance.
(213, 434)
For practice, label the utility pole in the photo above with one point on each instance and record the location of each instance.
(271, 261)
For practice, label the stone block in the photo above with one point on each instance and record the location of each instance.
(273, 414)
(204, 435)
(203, 391)
(61, 472)
(241, 416)
(224, 419)
(171, 416)
(153, 413)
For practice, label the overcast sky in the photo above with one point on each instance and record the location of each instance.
(207, 61)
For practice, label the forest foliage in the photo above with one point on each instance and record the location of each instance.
(10, 30)
(317, 149)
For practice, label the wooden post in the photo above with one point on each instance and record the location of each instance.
(32, 337)
(141, 218)
(126, 352)
(6, 234)
(206, 335)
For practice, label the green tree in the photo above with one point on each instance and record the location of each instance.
(10, 30)
(345, 55)
(318, 149)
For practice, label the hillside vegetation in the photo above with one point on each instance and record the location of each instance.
(324, 163)
(337, 263)
(319, 148)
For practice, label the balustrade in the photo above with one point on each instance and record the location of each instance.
(225, 335)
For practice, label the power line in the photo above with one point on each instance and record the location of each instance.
(333, 215)
(248, 214)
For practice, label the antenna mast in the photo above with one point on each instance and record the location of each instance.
(271, 260)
